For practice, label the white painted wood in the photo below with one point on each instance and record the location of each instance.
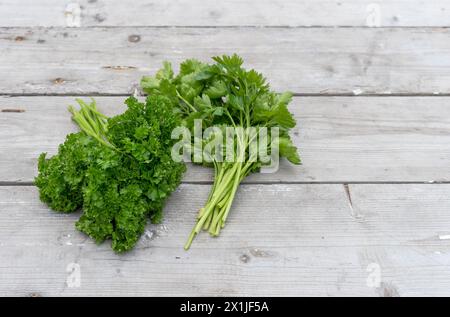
(308, 61)
(341, 139)
(287, 240)
(227, 13)
(284, 239)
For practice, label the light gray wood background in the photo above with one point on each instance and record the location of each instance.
(372, 86)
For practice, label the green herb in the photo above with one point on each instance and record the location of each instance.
(118, 170)
(223, 95)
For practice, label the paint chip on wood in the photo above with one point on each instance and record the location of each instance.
(73, 15)
(135, 92)
(373, 15)
(149, 234)
(357, 91)
(258, 253)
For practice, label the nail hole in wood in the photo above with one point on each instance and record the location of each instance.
(58, 81)
(134, 38)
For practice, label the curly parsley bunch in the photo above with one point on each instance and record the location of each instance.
(119, 170)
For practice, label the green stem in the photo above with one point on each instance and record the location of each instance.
(227, 177)
(186, 102)
(219, 192)
(224, 212)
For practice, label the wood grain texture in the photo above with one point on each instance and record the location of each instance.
(307, 61)
(281, 240)
(298, 237)
(225, 13)
(341, 139)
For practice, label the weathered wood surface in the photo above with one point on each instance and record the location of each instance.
(305, 240)
(341, 139)
(290, 238)
(303, 60)
(225, 13)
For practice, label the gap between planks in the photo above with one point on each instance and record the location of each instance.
(226, 27)
(270, 183)
(97, 94)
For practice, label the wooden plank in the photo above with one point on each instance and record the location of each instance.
(225, 13)
(281, 240)
(307, 61)
(341, 139)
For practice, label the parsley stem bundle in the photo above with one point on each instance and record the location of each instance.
(91, 121)
(212, 217)
(227, 177)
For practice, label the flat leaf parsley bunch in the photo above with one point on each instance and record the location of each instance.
(222, 95)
